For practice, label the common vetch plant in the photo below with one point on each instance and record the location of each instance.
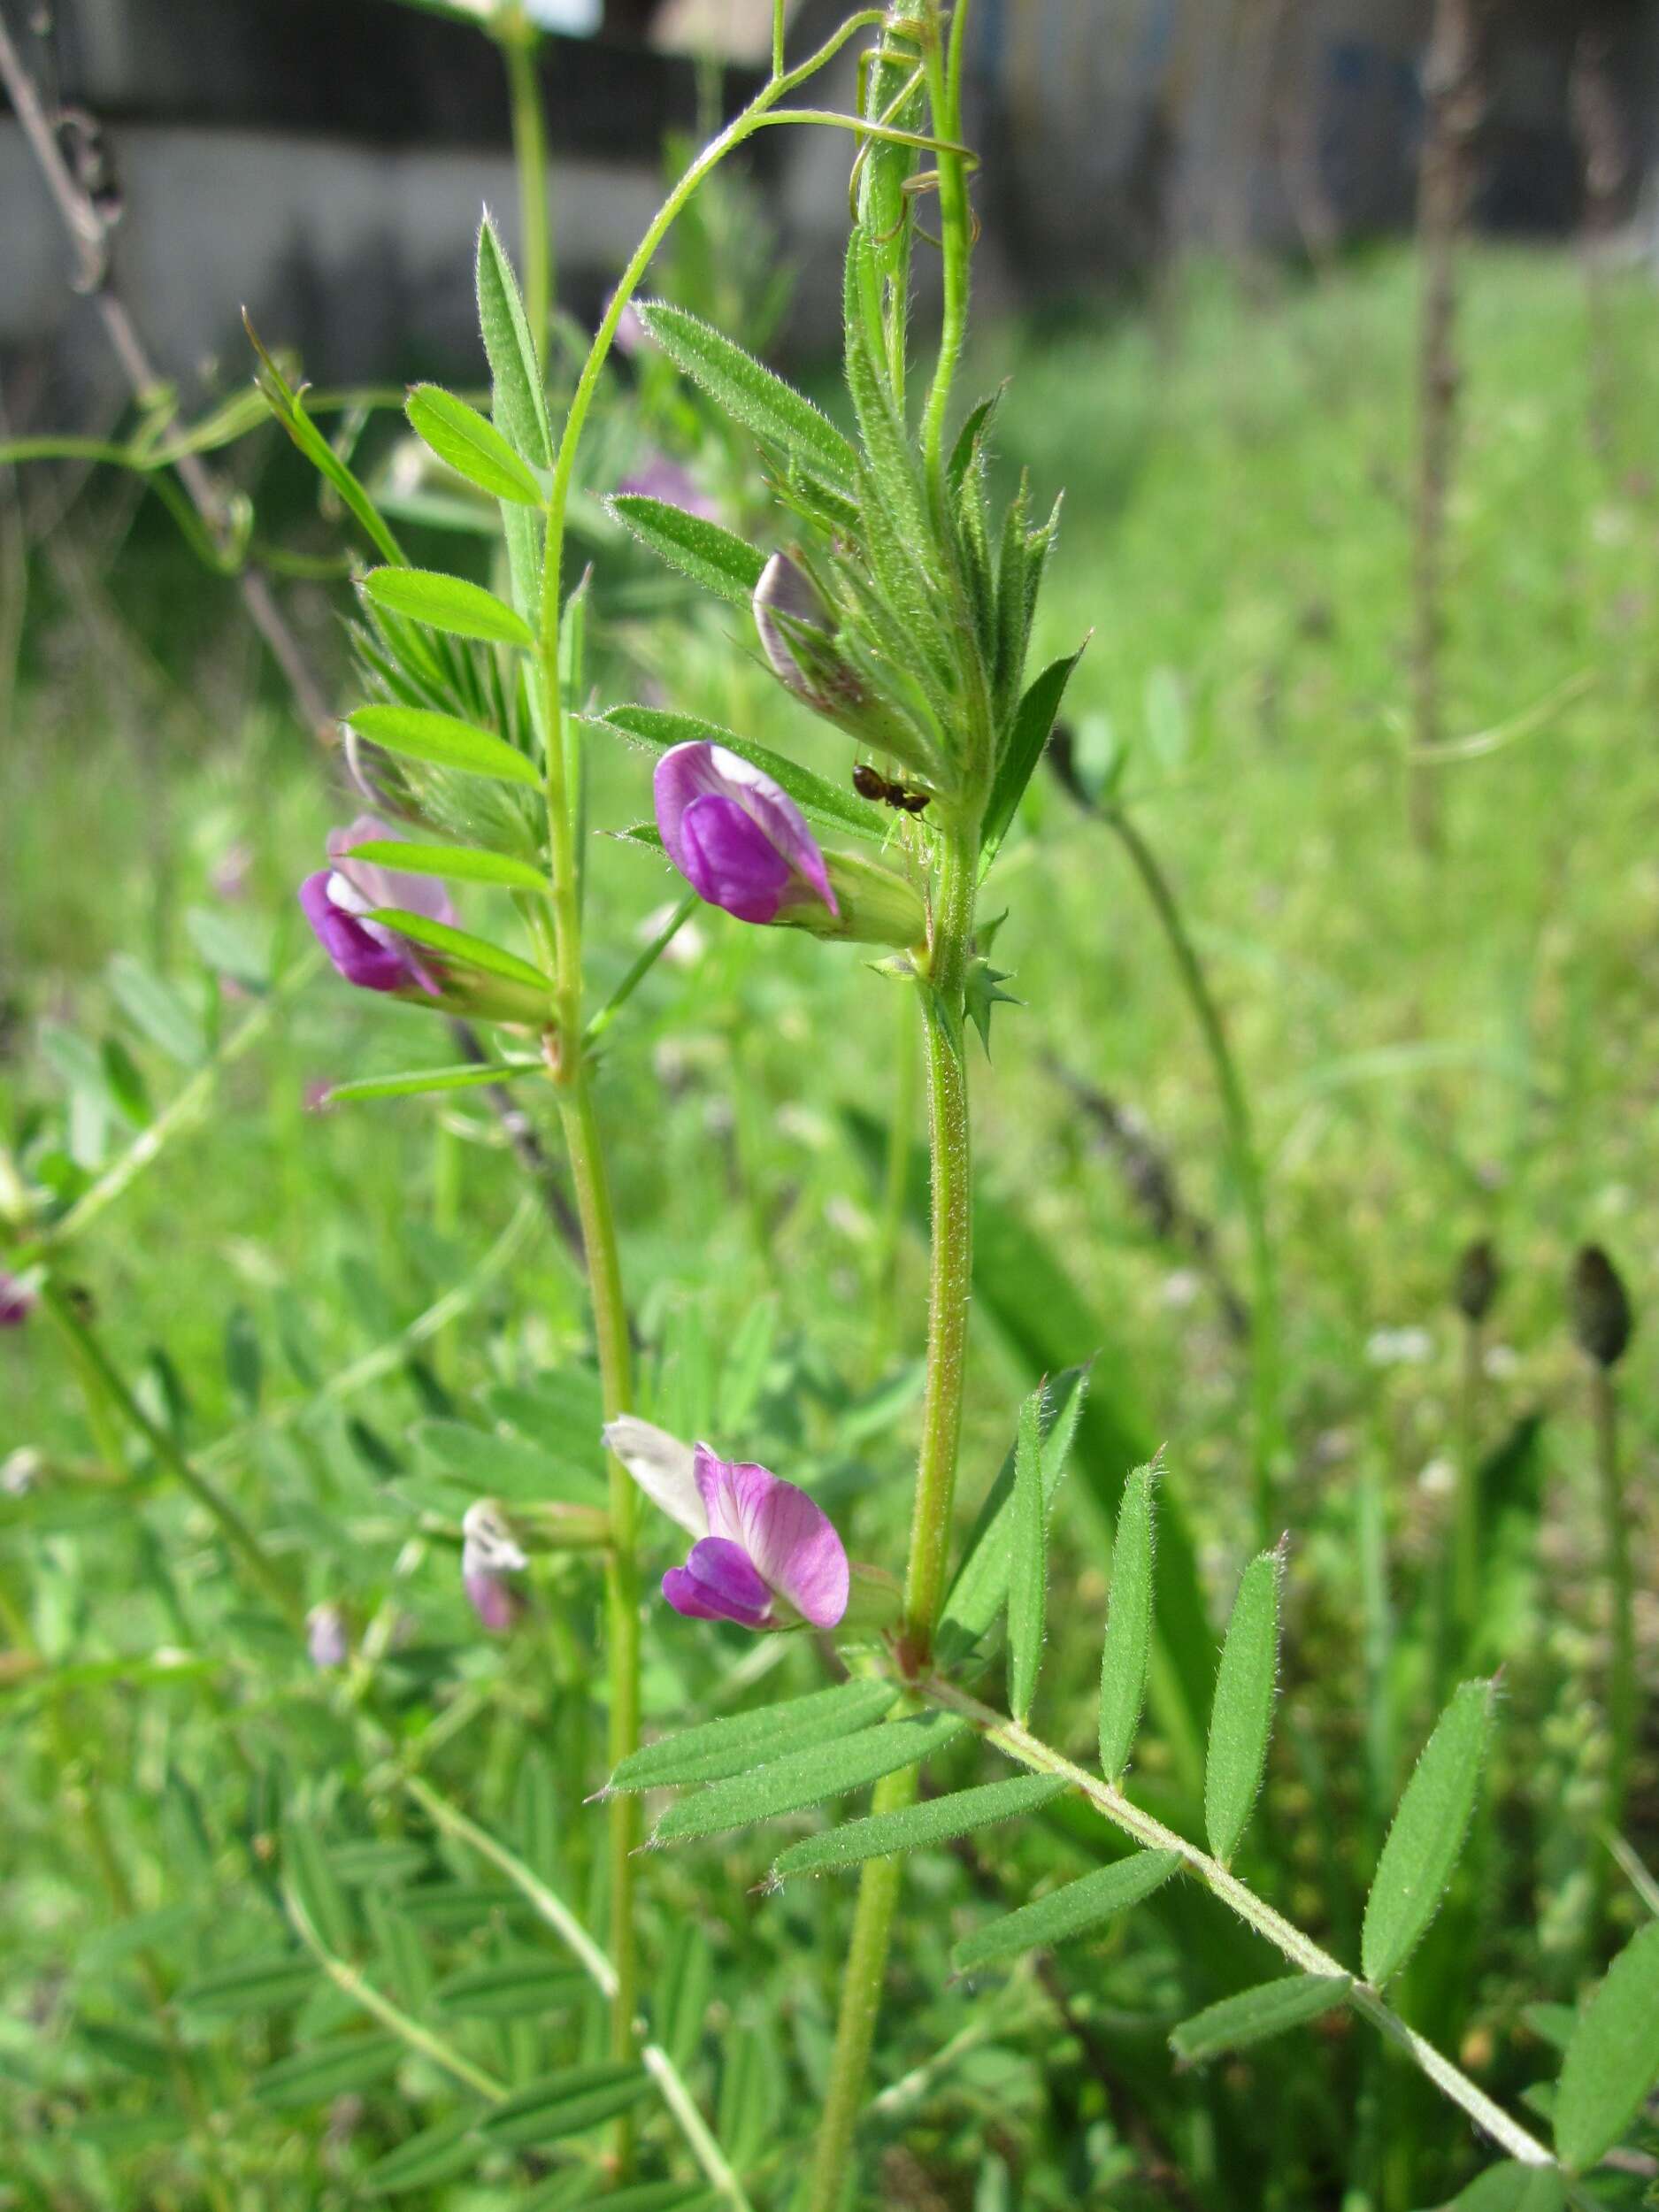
(893, 596)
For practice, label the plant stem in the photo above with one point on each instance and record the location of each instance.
(890, 1224)
(862, 1979)
(622, 1573)
(521, 46)
(1621, 1684)
(950, 1287)
(236, 1531)
(741, 127)
(1303, 1952)
(951, 1281)
(955, 226)
(357, 1986)
(1267, 1437)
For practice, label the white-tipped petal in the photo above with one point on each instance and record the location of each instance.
(664, 1468)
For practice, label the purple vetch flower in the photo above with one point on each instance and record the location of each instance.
(738, 838)
(336, 900)
(489, 1553)
(328, 1638)
(18, 1301)
(659, 477)
(765, 1555)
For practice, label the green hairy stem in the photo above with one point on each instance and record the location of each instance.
(951, 1263)
(951, 1287)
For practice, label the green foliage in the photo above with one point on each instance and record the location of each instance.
(699, 549)
(412, 1081)
(461, 864)
(1512, 2187)
(1427, 1835)
(565, 2104)
(751, 395)
(981, 1586)
(417, 733)
(1028, 1560)
(470, 444)
(254, 1983)
(1612, 2061)
(1257, 2015)
(460, 945)
(1127, 1651)
(520, 397)
(1242, 1718)
(919, 1827)
(449, 603)
(440, 2152)
(807, 1778)
(1033, 726)
(737, 1745)
(1079, 1908)
(340, 2066)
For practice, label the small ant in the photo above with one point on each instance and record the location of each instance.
(869, 783)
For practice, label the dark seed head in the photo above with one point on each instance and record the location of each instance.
(1601, 1318)
(1478, 1280)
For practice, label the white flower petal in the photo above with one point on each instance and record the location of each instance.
(662, 1466)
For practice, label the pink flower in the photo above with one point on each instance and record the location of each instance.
(337, 898)
(17, 1301)
(658, 476)
(328, 1638)
(490, 1553)
(766, 1556)
(738, 838)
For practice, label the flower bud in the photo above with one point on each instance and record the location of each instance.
(338, 899)
(343, 904)
(737, 837)
(743, 844)
(1601, 1318)
(18, 1301)
(797, 635)
(327, 1640)
(1478, 1280)
(489, 1553)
